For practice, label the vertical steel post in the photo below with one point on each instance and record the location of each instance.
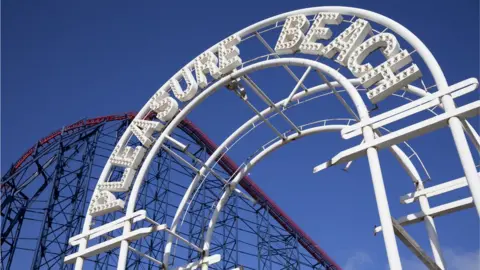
(382, 203)
(431, 229)
(464, 152)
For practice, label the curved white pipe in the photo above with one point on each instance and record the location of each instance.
(351, 91)
(220, 149)
(249, 165)
(422, 50)
(377, 179)
(400, 154)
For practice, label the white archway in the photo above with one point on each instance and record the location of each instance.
(172, 119)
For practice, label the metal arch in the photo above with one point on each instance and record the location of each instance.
(402, 31)
(398, 153)
(374, 165)
(251, 163)
(430, 61)
(416, 43)
(229, 143)
(274, 145)
(263, 199)
(398, 28)
(361, 109)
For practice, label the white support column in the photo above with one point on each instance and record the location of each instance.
(464, 152)
(124, 245)
(79, 261)
(382, 203)
(83, 243)
(431, 229)
(474, 137)
(424, 204)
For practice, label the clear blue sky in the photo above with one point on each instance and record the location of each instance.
(66, 60)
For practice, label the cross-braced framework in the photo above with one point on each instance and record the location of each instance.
(386, 59)
(275, 69)
(48, 189)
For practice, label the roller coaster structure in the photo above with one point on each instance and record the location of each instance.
(48, 188)
(159, 188)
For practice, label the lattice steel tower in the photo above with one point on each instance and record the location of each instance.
(45, 195)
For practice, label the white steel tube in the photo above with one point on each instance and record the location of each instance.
(382, 203)
(299, 83)
(79, 260)
(124, 246)
(431, 230)
(422, 50)
(221, 148)
(424, 205)
(377, 179)
(464, 152)
(248, 166)
(347, 84)
(471, 133)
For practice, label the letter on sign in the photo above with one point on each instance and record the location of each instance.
(104, 202)
(386, 42)
(192, 86)
(206, 63)
(127, 156)
(228, 53)
(347, 41)
(319, 31)
(122, 185)
(165, 106)
(388, 81)
(143, 130)
(292, 34)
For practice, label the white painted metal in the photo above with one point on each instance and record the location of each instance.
(435, 190)
(337, 95)
(414, 246)
(472, 134)
(314, 90)
(250, 164)
(451, 116)
(98, 231)
(411, 108)
(299, 83)
(406, 133)
(424, 206)
(306, 132)
(382, 202)
(289, 71)
(277, 62)
(431, 231)
(223, 147)
(205, 262)
(141, 254)
(437, 211)
(113, 243)
(268, 101)
(463, 151)
(176, 143)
